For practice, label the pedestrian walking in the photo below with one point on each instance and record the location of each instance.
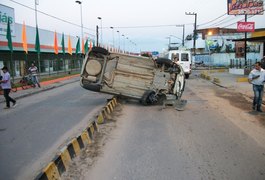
(33, 70)
(6, 86)
(256, 78)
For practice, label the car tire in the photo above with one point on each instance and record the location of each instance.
(148, 98)
(187, 76)
(99, 50)
(165, 61)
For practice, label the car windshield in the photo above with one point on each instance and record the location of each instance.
(184, 57)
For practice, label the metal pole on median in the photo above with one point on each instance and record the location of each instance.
(245, 42)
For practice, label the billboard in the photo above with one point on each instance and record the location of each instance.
(7, 13)
(245, 26)
(244, 7)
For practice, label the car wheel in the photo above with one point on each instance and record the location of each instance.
(187, 76)
(165, 61)
(99, 50)
(149, 98)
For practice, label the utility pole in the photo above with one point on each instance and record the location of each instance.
(183, 35)
(245, 41)
(97, 34)
(194, 32)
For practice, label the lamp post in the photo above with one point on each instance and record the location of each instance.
(183, 33)
(36, 19)
(80, 3)
(128, 40)
(113, 36)
(36, 3)
(101, 41)
(194, 32)
(169, 41)
(123, 42)
(119, 39)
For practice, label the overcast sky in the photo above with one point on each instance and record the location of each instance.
(130, 14)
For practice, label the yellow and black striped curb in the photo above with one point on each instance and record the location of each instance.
(106, 111)
(216, 80)
(242, 79)
(60, 163)
(205, 75)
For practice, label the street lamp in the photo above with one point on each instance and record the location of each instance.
(119, 39)
(36, 19)
(113, 36)
(194, 32)
(169, 41)
(101, 41)
(79, 2)
(36, 3)
(123, 43)
(128, 40)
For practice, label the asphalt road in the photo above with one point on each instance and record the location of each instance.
(206, 141)
(32, 132)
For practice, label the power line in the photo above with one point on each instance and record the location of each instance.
(57, 18)
(251, 16)
(151, 26)
(212, 20)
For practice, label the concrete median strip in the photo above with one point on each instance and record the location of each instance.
(60, 163)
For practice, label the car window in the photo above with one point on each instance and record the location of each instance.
(184, 57)
(174, 55)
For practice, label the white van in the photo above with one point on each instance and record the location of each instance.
(184, 58)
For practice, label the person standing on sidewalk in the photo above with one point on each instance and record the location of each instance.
(6, 86)
(256, 78)
(33, 70)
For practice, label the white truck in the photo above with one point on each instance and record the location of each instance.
(184, 58)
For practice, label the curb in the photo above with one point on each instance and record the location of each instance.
(61, 161)
(243, 79)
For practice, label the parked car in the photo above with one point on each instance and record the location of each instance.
(151, 81)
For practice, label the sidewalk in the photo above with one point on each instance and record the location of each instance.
(45, 85)
(234, 82)
(230, 81)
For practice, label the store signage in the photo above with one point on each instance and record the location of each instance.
(245, 7)
(7, 14)
(245, 26)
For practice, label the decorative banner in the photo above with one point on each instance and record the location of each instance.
(245, 26)
(55, 46)
(246, 7)
(83, 46)
(37, 41)
(9, 37)
(62, 43)
(69, 45)
(240, 49)
(24, 38)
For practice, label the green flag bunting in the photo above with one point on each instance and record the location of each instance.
(9, 36)
(86, 46)
(37, 41)
(77, 48)
(62, 43)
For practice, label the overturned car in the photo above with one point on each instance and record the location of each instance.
(158, 81)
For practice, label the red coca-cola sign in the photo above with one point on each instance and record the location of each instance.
(245, 26)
